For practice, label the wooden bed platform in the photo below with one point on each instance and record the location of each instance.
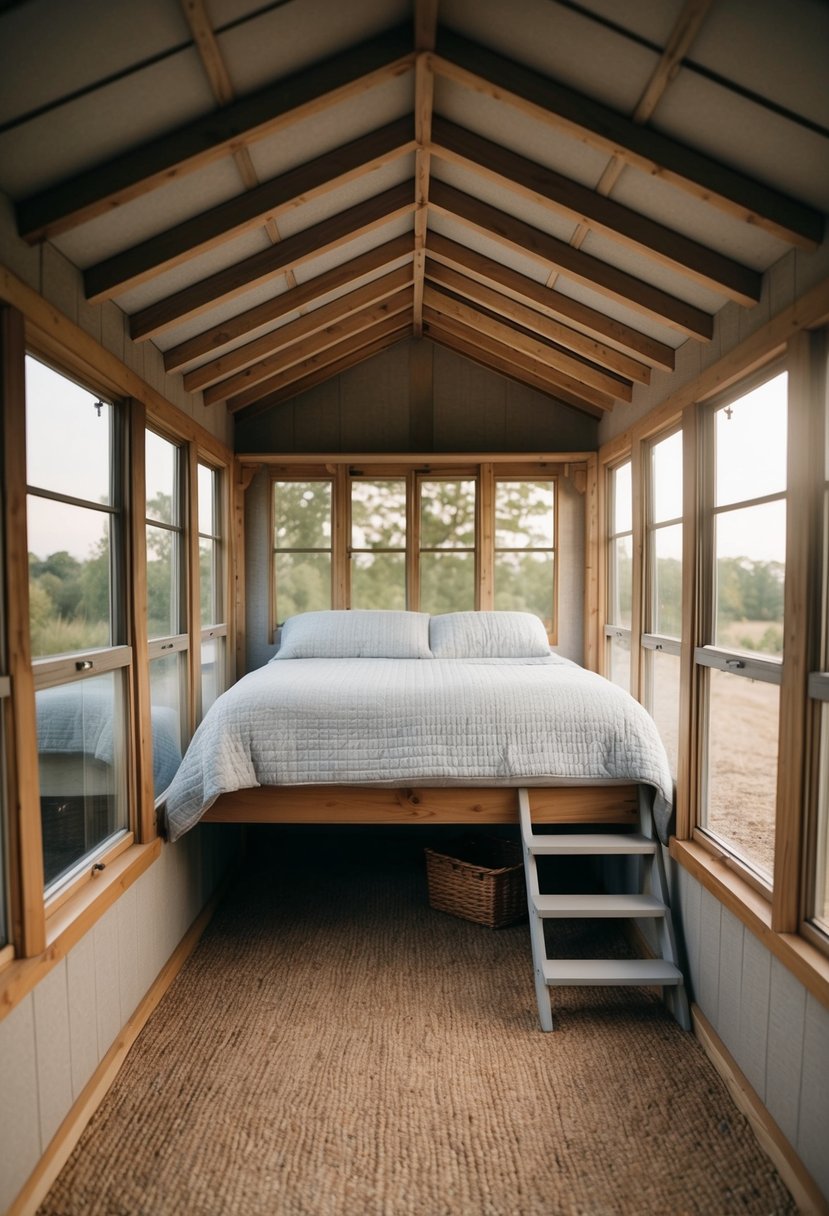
(425, 805)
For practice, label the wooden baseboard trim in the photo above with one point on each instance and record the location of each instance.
(804, 1189)
(94, 1092)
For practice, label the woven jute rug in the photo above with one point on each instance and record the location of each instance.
(335, 1047)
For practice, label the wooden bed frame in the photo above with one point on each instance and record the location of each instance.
(425, 805)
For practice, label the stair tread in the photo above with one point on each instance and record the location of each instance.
(598, 905)
(610, 971)
(586, 842)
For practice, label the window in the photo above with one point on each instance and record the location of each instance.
(817, 890)
(211, 586)
(740, 665)
(663, 600)
(393, 536)
(5, 689)
(619, 575)
(77, 618)
(166, 605)
(525, 548)
(303, 556)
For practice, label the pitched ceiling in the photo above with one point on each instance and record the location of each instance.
(564, 192)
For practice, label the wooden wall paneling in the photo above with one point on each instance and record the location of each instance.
(81, 982)
(129, 980)
(315, 419)
(730, 980)
(754, 1013)
(814, 1093)
(708, 990)
(592, 564)
(470, 402)
(19, 1121)
(54, 1055)
(25, 840)
(109, 1017)
(142, 734)
(806, 362)
(784, 1057)
(421, 395)
(375, 400)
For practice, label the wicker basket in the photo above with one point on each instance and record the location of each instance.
(480, 879)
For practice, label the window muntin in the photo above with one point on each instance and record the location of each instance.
(524, 570)
(302, 546)
(817, 874)
(447, 554)
(77, 617)
(619, 574)
(378, 543)
(740, 668)
(211, 586)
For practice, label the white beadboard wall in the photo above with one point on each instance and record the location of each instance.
(53, 1040)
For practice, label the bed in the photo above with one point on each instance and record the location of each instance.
(375, 717)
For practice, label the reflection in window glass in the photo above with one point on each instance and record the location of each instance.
(68, 436)
(667, 581)
(447, 582)
(621, 581)
(81, 737)
(524, 548)
(619, 650)
(207, 500)
(447, 545)
(162, 482)
(167, 696)
(741, 766)
(524, 583)
(378, 543)
(750, 546)
(302, 547)
(666, 475)
(751, 444)
(622, 500)
(163, 582)
(662, 699)
(212, 671)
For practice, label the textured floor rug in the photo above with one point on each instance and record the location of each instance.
(335, 1047)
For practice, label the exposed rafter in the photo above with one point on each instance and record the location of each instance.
(486, 72)
(425, 30)
(97, 191)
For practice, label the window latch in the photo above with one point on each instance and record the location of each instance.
(735, 664)
(84, 665)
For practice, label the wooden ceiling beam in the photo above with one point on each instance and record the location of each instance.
(599, 276)
(468, 323)
(304, 345)
(100, 190)
(528, 318)
(425, 30)
(274, 340)
(249, 210)
(299, 299)
(593, 324)
(226, 284)
(587, 375)
(588, 121)
(502, 359)
(566, 197)
(353, 348)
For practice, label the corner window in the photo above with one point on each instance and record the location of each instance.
(211, 586)
(525, 527)
(302, 547)
(447, 549)
(378, 543)
(619, 575)
(77, 618)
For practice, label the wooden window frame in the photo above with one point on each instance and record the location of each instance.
(222, 590)
(613, 629)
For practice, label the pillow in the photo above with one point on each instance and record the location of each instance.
(356, 634)
(488, 635)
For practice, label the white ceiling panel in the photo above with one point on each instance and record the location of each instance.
(194, 271)
(651, 19)
(155, 212)
(288, 38)
(619, 312)
(50, 49)
(510, 201)
(649, 271)
(357, 191)
(223, 312)
(353, 249)
(558, 42)
(456, 230)
(681, 212)
(97, 127)
(334, 126)
(747, 137)
(777, 50)
(527, 136)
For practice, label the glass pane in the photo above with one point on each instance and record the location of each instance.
(69, 577)
(447, 582)
(447, 515)
(524, 515)
(168, 696)
(81, 740)
(378, 514)
(161, 477)
(302, 514)
(378, 580)
(207, 489)
(209, 584)
(751, 550)
(667, 581)
(212, 671)
(622, 499)
(68, 440)
(621, 581)
(163, 583)
(742, 766)
(524, 583)
(303, 583)
(666, 471)
(820, 908)
(751, 444)
(619, 661)
(662, 698)
(4, 929)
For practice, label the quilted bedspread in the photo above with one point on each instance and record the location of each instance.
(418, 722)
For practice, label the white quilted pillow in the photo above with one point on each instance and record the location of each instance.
(356, 634)
(488, 635)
